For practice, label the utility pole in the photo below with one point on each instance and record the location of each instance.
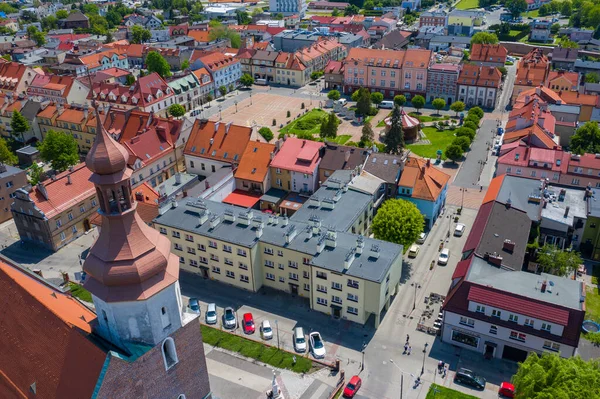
(277, 326)
(401, 385)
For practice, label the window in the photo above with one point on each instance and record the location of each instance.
(228, 261)
(178, 247)
(241, 252)
(58, 223)
(214, 257)
(352, 283)
(281, 279)
(517, 336)
(93, 202)
(193, 263)
(216, 269)
(202, 247)
(305, 274)
(575, 182)
(322, 275)
(465, 338)
(551, 346)
(528, 322)
(292, 264)
(352, 297)
(306, 261)
(230, 274)
(322, 301)
(163, 230)
(336, 286)
(546, 327)
(227, 248)
(175, 234)
(164, 317)
(188, 237)
(212, 244)
(63, 236)
(294, 276)
(9, 184)
(82, 209)
(496, 313)
(480, 309)
(513, 318)
(181, 259)
(203, 259)
(279, 252)
(169, 353)
(493, 330)
(306, 287)
(244, 278)
(321, 288)
(191, 250)
(467, 322)
(269, 263)
(336, 299)
(352, 310)
(269, 251)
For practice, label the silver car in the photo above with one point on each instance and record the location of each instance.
(229, 319)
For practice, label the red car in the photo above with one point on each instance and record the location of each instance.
(248, 323)
(352, 387)
(507, 390)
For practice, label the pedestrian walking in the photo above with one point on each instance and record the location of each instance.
(407, 338)
(409, 350)
(405, 349)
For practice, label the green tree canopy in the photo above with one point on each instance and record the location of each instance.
(363, 101)
(35, 173)
(457, 106)
(49, 22)
(59, 149)
(398, 221)
(334, 95)
(453, 152)
(484, 38)
(266, 133)
(477, 111)
(62, 14)
(376, 97)
(553, 377)
(19, 124)
(438, 103)
(463, 142)
(367, 135)
(515, 7)
(139, 34)
(247, 80)
(223, 90)
(185, 65)
(222, 32)
(156, 63)
(465, 131)
(418, 102)
(6, 155)
(394, 138)
(351, 9)
(400, 100)
(129, 80)
(592, 77)
(177, 110)
(553, 260)
(586, 139)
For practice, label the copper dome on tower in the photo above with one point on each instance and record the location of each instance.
(106, 155)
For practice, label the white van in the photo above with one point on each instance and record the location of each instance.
(386, 104)
(342, 101)
(299, 340)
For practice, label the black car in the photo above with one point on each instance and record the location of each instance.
(468, 377)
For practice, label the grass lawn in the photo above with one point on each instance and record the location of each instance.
(255, 350)
(532, 14)
(341, 139)
(439, 392)
(592, 304)
(439, 141)
(79, 292)
(307, 123)
(428, 118)
(467, 4)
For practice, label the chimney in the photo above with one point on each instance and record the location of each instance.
(178, 178)
(85, 112)
(214, 221)
(290, 233)
(284, 221)
(212, 141)
(330, 239)
(227, 126)
(347, 156)
(60, 109)
(38, 272)
(69, 180)
(544, 285)
(216, 127)
(374, 252)
(229, 215)
(259, 232)
(508, 246)
(567, 211)
(42, 189)
(203, 217)
(360, 244)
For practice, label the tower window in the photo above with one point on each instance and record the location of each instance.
(169, 353)
(164, 316)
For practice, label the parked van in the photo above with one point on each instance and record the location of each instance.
(299, 340)
(387, 104)
(342, 101)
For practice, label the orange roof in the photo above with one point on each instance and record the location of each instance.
(242, 198)
(375, 57)
(572, 77)
(416, 58)
(63, 195)
(71, 115)
(536, 131)
(493, 189)
(95, 60)
(426, 181)
(203, 76)
(224, 142)
(201, 36)
(543, 93)
(255, 162)
(47, 112)
(574, 97)
(488, 52)
(481, 75)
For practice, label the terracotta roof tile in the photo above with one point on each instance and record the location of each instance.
(488, 53)
(254, 165)
(298, 155)
(228, 141)
(493, 189)
(426, 181)
(574, 97)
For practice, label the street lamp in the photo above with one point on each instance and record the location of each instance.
(250, 97)
(462, 199)
(277, 327)
(424, 352)
(220, 106)
(362, 365)
(401, 377)
(417, 286)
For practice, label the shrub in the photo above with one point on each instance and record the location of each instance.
(470, 125)
(463, 142)
(465, 131)
(372, 111)
(476, 111)
(274, 122)
(289, 114)
(281, 136)
(266, 133)
(302, 106)
(472, 118)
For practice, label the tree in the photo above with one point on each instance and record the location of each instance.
(463, 142)
(465, 131)
(394, 138)
(515, 7)
(177, 110)
(243, 18)
(565, 43)
(156, 63)
(553, 260)
(335, 12)
(109, 38)
(592, 77)
(477, 111)
(139, 34)
(566, 8)
(223, 90)
(552, 376)
(363, 101)
(332, 125)
(367, 135)
(398, 221)
(185, 65)
(7, 57)
(34, 34)
(62, 14)
(376, 98)
(49, 22)
(471, 125)
(129, 80)
(369, 5)
(247, 80)
(418, 102)
(334, 95)
(453, 152)
(400, 100)
(484, 38)
(222, 32)
(586, 139)
(6, 155)
(351, 10)
(19, 124)
(457, 106)
(439, 104)
(257, 11)
(36, 173)
(266, 133)
(231, 87)
(60, 149)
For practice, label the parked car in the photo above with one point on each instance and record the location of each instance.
(459, 230)
(266, 331)
(413, 251)
(421, 239)
(352, 387)
(299, 340)
(468, 377)
(229, 320)
(211, 314)
(507, 390)
(194, 305)
(444, 255)
(386, 104)
(316, 345)
(248, 325)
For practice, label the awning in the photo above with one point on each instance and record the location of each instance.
(242, 198)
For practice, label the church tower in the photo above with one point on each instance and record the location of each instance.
(131, 272)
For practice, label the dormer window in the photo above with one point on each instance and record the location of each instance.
(149, 99)
(159, 94)
(134, 100)
(102, 96)
(124, 98)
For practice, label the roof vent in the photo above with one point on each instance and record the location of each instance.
(314, 201)
(229, 215)
(494, 258)
(203, 217)
(331, 238)
(350, 256)
(360, 244)
(374, 252)
(285, 220)
(257, 222)
(245, 217)
(214, 221)
(508, 246)
(290, 233)
(321, 243)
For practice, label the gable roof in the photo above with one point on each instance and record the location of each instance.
(542, 139)
(488, 53)
(254, 165)
(298, 155)
(479, 76)
(333, 157)
(426, 181)
(385, 166)
(223, 142)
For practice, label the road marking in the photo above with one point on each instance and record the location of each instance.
(321, 390)
(237, 376)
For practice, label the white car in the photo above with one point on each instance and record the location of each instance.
(444, 256)
(265, 330)
(421, 239)
(316, 345)
(459, 230)
(413, 251)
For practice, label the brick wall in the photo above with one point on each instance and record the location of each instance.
(147, 378)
